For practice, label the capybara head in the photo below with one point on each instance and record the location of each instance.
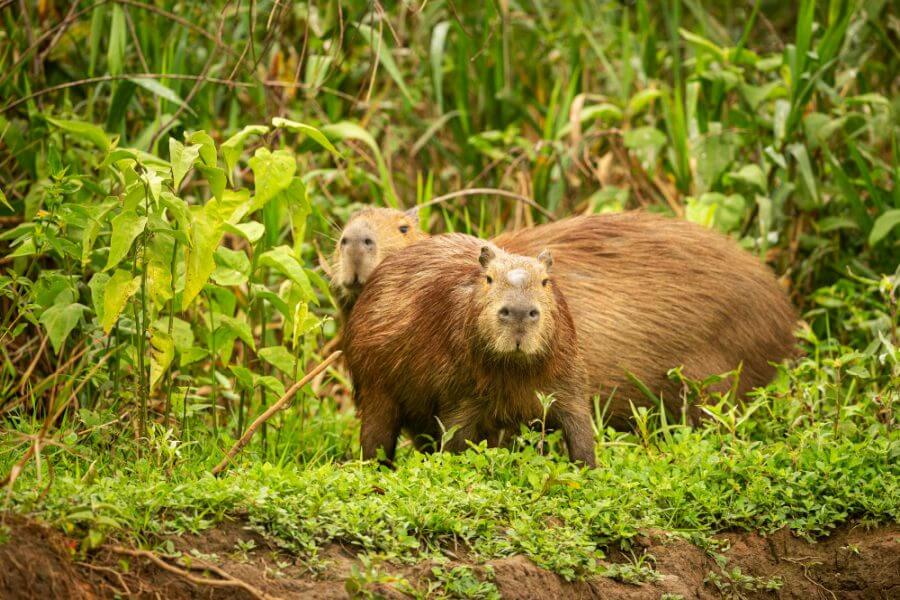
(371, 235)
(515, 303)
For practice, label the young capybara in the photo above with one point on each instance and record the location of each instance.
(648, 293)
(371, 235)
(458, 329)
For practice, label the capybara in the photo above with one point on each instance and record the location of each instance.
(648, 293)
(458, 329)
(371, 235)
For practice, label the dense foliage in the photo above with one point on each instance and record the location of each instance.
(171, 178)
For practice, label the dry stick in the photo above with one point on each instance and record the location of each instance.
(230, 581)
(245, 439)
(495, 192)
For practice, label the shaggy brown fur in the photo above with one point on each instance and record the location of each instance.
(649, 293)
(425, 339)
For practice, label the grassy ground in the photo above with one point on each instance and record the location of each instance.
(172, 177)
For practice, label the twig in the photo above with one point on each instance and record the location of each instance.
(245, 439)
(125, 589)
(495, 192)
(229, 580)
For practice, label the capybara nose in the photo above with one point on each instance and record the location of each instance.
(360, 243)
(519, 314)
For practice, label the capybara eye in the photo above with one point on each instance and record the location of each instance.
(344, 242)
(490, 279)
(545, 282)
(404, 229)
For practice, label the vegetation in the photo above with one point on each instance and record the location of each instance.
(171, 178)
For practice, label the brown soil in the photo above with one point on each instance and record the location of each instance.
(854, 562)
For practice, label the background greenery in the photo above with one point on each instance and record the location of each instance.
(173, 174)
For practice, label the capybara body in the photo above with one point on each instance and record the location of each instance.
(649, 293)
(459, 330)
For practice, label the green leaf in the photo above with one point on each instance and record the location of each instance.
(98, 32)
(97, 286)
(751, 175)
(232, 147)
(154, 86)
(4, 201)
(162, 351)
(216, 178)
(126, 227)
(308, 130)
(205, 235)
(273, 172)
(182, 158)
(300, 208)
(252, 231)
(644, 138)
(233, 267)
(883, 225)
(182, 334)
(436, 56)
(238, 327)
(207, 147)
(280, 358)
(84, 131)
(59, 320)
(115, 52)
(282, 259)
(120, 287)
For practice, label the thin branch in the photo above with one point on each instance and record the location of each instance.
(492, 192)
(245, 439)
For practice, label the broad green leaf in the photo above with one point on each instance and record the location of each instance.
(238, 327)
(883, 225)
(59, 320)
(179, 209)
(162, 351)
(282, 259)
(206, 233)
(308, 130)
(97, 285)
(280, 358)
(92, 230)
(273, 172)
(300, 208)
(751, 175)
(232, 267)
(207, 147)
(26, 248)
(270, 383)
(642, 100)
(120, 287)
(159, 269)
(154, 86)
(182, 158)
(252, 231)
(216, 178)
(126, 227)
(232, 147)
(115, 52)
(182, 334)
(260, 292)
(85, 131)
(644, 137)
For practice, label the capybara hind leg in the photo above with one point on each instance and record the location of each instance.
(380, 424)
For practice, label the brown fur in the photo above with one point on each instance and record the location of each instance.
(419, 344)
(649, 293)
(389, 229)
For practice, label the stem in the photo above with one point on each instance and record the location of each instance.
(212, 349)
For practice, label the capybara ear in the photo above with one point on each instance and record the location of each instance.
(545, 258)
(413, 213)
(487, 255)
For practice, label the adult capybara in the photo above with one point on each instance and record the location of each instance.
(458, 329)
(371, 235)
(648, 293)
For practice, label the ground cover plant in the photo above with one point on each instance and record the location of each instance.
(171, 180)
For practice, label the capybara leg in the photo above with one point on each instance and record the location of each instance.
(380, 424)
(575, 421)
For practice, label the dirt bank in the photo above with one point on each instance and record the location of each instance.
(231, 561)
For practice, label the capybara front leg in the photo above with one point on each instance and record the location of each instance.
(380, 424)
(574, 418)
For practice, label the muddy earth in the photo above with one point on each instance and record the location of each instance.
(232, 561)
